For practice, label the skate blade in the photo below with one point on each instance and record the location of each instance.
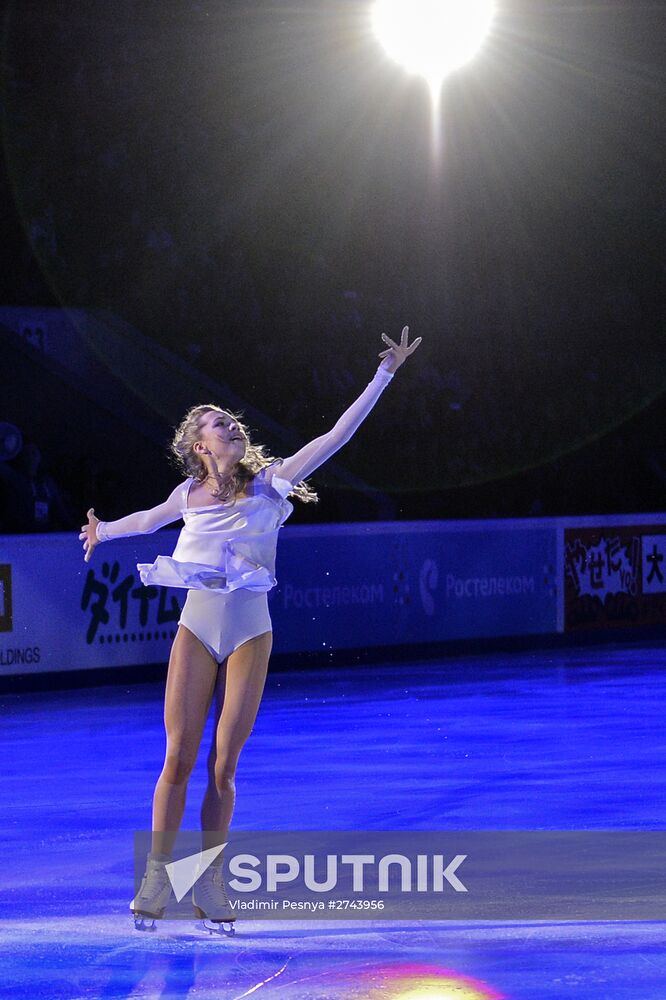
(222, 928)
(142, 916)
(141, 923)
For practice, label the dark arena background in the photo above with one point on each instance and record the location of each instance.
(229, 203)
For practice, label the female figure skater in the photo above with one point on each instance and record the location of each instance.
(233, 503)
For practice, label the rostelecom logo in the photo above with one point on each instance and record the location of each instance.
(5, 597)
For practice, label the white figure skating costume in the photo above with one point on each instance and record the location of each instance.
(225, 554)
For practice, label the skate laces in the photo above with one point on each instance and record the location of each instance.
(218, 882)
(213, 876)
(155, 877)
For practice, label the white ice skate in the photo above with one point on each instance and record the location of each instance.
(151, 900)
(211, 903)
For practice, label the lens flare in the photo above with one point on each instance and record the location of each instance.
(417, 981)
(434, 990)
(452, 987)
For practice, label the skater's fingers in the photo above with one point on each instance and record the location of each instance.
(403, 336)
(387, 340)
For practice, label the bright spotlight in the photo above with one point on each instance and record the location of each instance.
(432, 37)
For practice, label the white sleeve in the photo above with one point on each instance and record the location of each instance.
(304, 462)
(146, 521)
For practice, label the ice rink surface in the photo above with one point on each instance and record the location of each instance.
(568, 739)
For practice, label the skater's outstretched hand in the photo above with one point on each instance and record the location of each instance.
(397, 354)
(89, 535)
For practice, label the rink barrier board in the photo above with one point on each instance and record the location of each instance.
(344, 587)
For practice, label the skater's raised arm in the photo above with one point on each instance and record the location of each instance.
(140, 523)
(304, 462)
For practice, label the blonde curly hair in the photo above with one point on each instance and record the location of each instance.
(254, 460)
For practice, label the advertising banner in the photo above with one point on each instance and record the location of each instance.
(58, 612)
(392, 584)
(344, 586)
(614, 576)
(340, 587)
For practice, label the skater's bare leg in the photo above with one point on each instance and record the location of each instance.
(189, 691)
(238, 694)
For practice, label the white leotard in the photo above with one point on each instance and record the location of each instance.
(226, 551)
